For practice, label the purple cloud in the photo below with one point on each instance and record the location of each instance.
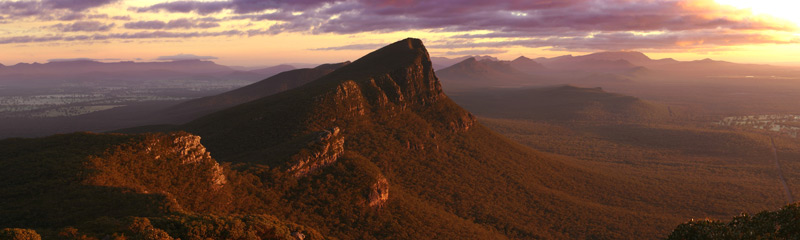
(351, 47)
(76, 5)
(146, 25)
(202, 8)
(172, 24)
(14, 9)
(564, 24)
(123, 18)
(238, 6)
(70, 59)
(121, 36)
(49, 9)
(84, 26)
(476, 52)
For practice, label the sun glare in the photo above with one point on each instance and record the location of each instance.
(778, 8)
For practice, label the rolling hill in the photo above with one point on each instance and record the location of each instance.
(472, 73)
(560, 104)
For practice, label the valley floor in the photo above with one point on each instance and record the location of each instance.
(684, 172)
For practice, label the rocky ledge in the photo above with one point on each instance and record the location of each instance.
(326, 147)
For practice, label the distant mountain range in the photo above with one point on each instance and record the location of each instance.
(88, 73)
(593, 69)
(561, 104)
(85, 66)
(444, 62)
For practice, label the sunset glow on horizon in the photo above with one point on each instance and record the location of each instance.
(250, 33)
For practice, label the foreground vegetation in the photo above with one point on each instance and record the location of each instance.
(780, 224)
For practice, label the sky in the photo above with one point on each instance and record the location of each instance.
(270, 32)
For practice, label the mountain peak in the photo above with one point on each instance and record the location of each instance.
(403, 52)
(522, 58)
(527, 65)
(395, 80)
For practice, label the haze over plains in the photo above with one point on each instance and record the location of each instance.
(242, 32)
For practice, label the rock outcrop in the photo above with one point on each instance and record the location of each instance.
(138, 165)
(462, 122)
(189, 150)
(325, 148)
(379, 193)
(298, 236)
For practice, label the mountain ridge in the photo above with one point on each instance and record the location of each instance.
(87, 66)
(279, 82)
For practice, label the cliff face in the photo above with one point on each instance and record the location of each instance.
(389, 82)
(323, 150)
(174, 165)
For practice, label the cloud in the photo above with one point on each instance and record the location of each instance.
(82, 59)
(72, 17)
(70, 59)
(112, 36)
(563, 24)
(540, 22)
(476, 52)
(189, 23)
(238, 6)
(76, 5)
(351, 47)
(49, 9)
(123, 18)
(173, 24)
(146, 25)
(13, 9)
(84, 26)
(182, 56)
